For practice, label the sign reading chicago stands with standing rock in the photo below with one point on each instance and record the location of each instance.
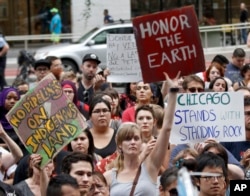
(45, 120)
(168, 42)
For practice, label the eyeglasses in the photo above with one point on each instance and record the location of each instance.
(98, 111)
(85, 96)
(194, 90)
(42, 69)
(247, 113)
(220, 178)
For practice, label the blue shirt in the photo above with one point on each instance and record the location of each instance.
(56, 24)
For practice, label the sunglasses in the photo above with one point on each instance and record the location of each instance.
(85, 96)
(194, 90)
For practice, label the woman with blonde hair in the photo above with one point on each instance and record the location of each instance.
(132, 174)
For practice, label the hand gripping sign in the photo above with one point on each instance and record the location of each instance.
(45, 120)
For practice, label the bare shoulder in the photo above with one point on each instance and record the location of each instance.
(108, 176)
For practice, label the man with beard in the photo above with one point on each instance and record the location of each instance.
(91, 81)
(238, 148)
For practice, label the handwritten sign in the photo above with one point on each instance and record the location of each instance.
(45, 120)
(168, 42)
(122, 58)
(208, 115)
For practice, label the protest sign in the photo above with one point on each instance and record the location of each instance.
(45, 120)
(208, 115)
(122, 58)
(168, 42)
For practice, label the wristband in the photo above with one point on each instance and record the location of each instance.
(174, 90)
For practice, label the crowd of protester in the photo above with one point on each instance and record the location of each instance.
(126, 147)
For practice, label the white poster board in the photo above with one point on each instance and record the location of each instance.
(208, 115)
(122, 58)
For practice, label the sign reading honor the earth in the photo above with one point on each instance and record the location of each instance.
(168, 42)
(208, 115)
(45, 120)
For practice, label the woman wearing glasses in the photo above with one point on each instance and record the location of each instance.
(103, 134)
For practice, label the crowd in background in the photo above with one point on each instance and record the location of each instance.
(125, 149)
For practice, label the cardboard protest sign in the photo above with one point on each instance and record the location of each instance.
(122, 58)
(168, 42)
(45, 120)
(208, 115)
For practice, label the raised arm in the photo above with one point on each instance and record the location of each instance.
(15, 152)
(155, 159)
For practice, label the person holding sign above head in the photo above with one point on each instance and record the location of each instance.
(33, 185)
(132, 175)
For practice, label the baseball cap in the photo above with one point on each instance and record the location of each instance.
(55, 10)
(91, 57)
(42, 62)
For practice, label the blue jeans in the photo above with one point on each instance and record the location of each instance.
(244, 35)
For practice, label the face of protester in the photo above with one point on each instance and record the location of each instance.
(219, 85)
(145, 121)
(111, 101)
(80, 143)
(131, 145)
(89, 69)
(10, 100)
(133, 88)
(212, 185)
(82, 172)
(247, 121)
(101, 115)
(41, 71)
(194, 87)
(69, 93)
(68, 190)
(169, 190)
(143, 92)
(247, 75)
(214, 73)
(238, 61)
(56, 68)
(98, 188)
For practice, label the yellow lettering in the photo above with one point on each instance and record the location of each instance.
(70, 128)
(31, 143)
(49, 151)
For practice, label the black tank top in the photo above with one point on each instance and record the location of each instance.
(109, 149)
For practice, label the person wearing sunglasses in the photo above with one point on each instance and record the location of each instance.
(193, 84)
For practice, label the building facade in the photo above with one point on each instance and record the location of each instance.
(29, 17)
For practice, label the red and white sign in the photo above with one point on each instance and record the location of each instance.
(168, 42)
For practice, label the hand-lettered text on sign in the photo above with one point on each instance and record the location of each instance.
(208, 115)
(168, 42)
